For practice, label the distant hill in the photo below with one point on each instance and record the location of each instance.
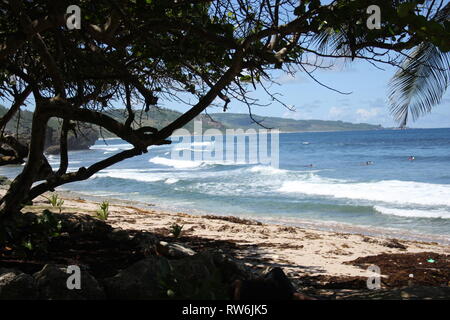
(25, 122)
(239, 120)
(160, 117)
(20, 126)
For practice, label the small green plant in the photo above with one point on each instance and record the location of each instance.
(39, 233)
(175, 230)
(55, 201)
(103, 213)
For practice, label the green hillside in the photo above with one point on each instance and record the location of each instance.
(161, 117)
(239, 120)
(24, 126)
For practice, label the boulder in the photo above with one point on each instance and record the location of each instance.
(119, 235)
(53, 150)
(173, 250)
(137, 282)
(395, 244)
(204, 275)
(272, 285)
(145, 242)
(82, 141)
(4, 181)
(81, 223)
(52, 285)
(15, 285)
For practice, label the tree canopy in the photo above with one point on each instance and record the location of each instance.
(138, 52)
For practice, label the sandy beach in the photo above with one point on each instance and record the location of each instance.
(299, 251)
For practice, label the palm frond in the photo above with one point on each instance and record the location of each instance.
(422, 80)
(331, 42)
(420, 83)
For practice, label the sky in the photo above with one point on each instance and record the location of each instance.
(367, 102)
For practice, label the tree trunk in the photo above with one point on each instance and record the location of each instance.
(12, 202)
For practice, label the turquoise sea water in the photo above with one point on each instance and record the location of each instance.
(392, 192)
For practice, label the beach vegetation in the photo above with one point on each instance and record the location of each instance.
(176, 229)
(103, 212)
(55, 201)
(30, 235)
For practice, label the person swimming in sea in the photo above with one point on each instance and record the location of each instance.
(367, 163)
(411, 158)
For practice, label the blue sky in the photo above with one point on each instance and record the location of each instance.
(367, 102)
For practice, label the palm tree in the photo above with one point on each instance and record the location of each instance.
(422, 80)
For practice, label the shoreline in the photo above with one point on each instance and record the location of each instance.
(299, 251)
(327, 226)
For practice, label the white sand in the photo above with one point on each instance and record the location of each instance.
(296, 250)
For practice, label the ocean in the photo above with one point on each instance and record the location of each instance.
(358, 180)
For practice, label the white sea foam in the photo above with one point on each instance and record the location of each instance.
(187, 164)
(200, 146)
(110, 150)
(57, 162)
(171, 181)
(415, 213)
(131, 174)
(179, 164)
(266, 170)
(201, 143)
(111, 147)
(390, 191)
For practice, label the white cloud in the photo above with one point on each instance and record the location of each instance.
(298, 115)
(367, 114)
(336, 113)
(289, 78)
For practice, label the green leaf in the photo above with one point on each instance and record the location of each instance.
(246, 78)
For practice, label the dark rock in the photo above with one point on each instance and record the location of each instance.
(73, 224)
(231, 270)
(274, 285)
(206, 275)
(202, 276)
(119, 235)
(83, 141)
(53, 150)
(137, 282)
(15, 285)
(52, 285)
(173, 250)
(395, 244)
(145, 242)
(4, 180)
